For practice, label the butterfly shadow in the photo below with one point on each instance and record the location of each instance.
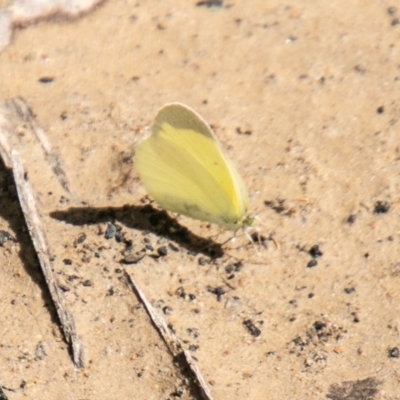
(144, 218)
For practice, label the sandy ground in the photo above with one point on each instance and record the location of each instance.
(305, 100)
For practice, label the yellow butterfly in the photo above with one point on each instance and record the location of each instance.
(184, 169)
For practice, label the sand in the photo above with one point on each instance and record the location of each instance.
(304, 99)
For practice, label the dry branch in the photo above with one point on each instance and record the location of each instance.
(173, 343)
(28, 205)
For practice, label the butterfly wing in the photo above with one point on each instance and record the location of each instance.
(183, 168)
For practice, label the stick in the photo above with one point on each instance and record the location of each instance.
(173, 343)
(21, 112)
(28, 205)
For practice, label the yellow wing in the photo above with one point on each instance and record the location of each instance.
(182, 166)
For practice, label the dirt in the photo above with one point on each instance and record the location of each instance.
(304, 99)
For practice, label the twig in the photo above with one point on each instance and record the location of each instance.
(19, 108)
(28, 205)
(173, 343)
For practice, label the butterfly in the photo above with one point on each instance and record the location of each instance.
(184, 169)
